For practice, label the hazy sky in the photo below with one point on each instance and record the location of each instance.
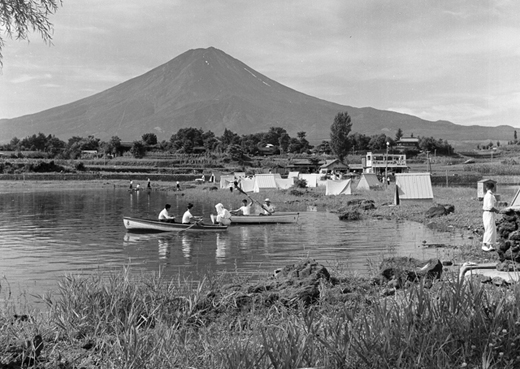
(439, 59)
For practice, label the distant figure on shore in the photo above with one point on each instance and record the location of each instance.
(131, 186)
(178, 186)
(149, 184)
(164, 215)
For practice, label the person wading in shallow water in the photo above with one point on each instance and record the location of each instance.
(488, 217)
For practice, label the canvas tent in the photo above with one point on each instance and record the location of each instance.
(283, 183)
(226, 181)
(338, 187)
(247, 184)
(240, 174)
(264, 182)
(368, 181)
(312, 179)
(413, 187)
(293, 174)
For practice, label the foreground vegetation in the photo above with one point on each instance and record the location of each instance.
(117, 321)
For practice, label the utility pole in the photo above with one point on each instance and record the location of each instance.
(386, 164)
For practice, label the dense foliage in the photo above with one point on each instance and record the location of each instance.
(339, 135)
(237, 148)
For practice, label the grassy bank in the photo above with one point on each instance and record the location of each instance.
(116, 321)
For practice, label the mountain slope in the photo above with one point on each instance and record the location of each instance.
(208, 89)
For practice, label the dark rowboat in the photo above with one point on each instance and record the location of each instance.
(150, 225)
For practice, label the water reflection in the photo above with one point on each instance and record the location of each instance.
(187, 244)
(223, 245)
(164, 247)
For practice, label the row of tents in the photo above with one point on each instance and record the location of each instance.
(408, 186)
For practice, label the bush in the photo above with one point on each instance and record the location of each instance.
(300, 183)
(80, 166)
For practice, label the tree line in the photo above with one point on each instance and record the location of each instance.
(195, 140)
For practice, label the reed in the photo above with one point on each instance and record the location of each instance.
(120, 320)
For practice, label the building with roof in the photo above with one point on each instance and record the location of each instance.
(407, 143)
(333, 166)
(383, 163)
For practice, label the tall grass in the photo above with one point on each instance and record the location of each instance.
(120, 321)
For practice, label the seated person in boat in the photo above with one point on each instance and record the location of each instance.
(267, 207)
(245, 209)
(187, 217)
(223, 215)
(164, 215)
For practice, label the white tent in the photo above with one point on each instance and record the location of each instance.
(284, 184)
(240, 174)
(312, 179)
(247, 184)
(226, 181)
(293, 174)
(264, 182)
(369, 181)
(413, 187)
(338, 187)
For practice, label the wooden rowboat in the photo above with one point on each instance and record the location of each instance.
(151, 225)
(283, 217)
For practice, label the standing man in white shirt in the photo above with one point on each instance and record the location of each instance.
(488, 217)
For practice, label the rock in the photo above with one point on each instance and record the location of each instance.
(515, 236)
(406, 269)
(439, 210)
(350, 215)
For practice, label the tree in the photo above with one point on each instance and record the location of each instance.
(339, 142)
(138, 150)
(235, 152)
(114, 145)
(149, 139)
(398, 134)
(378, 142)
(273, 136)
(324, 148)
(18, 18)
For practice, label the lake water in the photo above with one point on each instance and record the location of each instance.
(47, 234)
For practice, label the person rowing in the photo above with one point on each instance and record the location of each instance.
(187, 217)
(164, 215)
(245, 209)
(268, 207)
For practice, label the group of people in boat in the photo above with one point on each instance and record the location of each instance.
(223, 216)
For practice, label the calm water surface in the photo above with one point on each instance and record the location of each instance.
(47, 234)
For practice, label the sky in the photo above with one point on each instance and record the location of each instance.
(455, 60)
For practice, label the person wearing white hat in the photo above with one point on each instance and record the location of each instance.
(268, 207)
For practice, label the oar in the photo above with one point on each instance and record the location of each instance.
(192, 225)
(259, 203)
